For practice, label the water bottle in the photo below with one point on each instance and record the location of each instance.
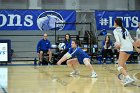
(93, 50)
(35, 61)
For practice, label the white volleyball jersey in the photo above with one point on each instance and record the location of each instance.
(126, 44)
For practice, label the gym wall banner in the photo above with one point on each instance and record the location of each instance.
(37, 20)
(105, 19)
(5, 50)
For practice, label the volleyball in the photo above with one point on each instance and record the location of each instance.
(61, 46)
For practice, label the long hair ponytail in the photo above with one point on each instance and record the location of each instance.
(118, 21)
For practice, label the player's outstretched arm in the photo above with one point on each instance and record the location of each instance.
(61, 60)
(64, 58)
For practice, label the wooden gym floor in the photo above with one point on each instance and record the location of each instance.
(56, 79)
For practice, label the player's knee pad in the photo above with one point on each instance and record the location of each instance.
(119, 68)
(41, 52)
(86, 61)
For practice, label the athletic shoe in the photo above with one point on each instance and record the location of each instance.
(104, 60)
(94, 75)
(39, 63)
(128, 81)
(50, 63)
(75, 72)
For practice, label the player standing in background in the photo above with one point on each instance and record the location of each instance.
(124, 43)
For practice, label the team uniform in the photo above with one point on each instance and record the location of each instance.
(43, 45)
(78, 53)
(82, 58)
(68, 44)
(126, 44)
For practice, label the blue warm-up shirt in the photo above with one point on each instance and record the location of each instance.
(78, 53)
(43, 45)
(110, 44)
(68, 44)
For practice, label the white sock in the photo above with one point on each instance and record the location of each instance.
(93, 72)
(127, 76)
(123, 77)
(76, 70)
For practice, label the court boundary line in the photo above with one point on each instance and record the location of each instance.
(52, 76)
(133, 77)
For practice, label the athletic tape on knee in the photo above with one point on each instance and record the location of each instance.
(86, 62)
(68, 55)
(119, 68)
